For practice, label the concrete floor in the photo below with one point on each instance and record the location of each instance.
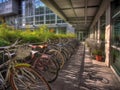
(83, 73)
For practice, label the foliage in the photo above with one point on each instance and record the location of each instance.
(102, 37)
(9, 35)
(97, 52)
(4, 42)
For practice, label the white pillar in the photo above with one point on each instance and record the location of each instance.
(98, 30)
(95, 33)
(107, 35)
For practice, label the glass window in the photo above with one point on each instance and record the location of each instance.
(47, 22)
(42, 18)
(115, 36)
(59, 20)
(116, 31)
(39, 3)
(39, 20)
(39, 7)
(39, 10)
(53, 22)
(47, 17)
(53, 16)
(50, 19)
(115, 56)
(48, 10)
(29, 21)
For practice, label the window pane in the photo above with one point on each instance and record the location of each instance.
(116, 32)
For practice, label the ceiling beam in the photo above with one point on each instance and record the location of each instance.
(80, 18)
(81, 7)
(71, 5)
(84, 30)
(80, 21)
(80, 25)
(79, 28)
(85, 10)
(55, 8)
(100, 12)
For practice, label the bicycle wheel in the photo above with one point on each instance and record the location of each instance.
(65, 53)
(26, 78)
(47, 67)
(58, 56)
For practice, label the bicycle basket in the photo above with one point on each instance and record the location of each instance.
(22, 52)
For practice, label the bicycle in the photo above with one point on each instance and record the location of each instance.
(19, 76)
(44, 62)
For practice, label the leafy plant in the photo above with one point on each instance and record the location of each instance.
(97, 52)
(4, 42)
(9, 35)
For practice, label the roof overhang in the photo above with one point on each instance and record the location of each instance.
(82, 14)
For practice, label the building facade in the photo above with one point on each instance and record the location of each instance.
(107, 29)
(32, 13)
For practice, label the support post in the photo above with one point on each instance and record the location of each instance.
(98, 29)
(107, 35)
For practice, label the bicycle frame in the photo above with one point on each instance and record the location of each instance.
(11, 63)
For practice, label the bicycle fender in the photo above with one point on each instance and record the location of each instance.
(22, 64)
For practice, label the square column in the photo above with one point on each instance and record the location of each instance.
(107, 35)
(95, 33)
(98, 34)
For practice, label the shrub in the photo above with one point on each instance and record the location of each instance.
(4, 42)
(28, 36)
(9, 35)
(97, 52)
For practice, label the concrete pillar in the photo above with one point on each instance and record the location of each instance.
(95, 33)
(92, 33)
(107, 34)
(98, 30)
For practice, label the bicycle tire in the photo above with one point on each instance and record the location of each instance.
(26, 78)
(66, 53)
(49, 71)
(59, 48)
(59, 57)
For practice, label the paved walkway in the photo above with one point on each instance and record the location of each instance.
(97, 76)
(83, 73)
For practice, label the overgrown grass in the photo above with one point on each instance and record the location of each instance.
(9, 35)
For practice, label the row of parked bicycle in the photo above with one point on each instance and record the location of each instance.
(34, 66)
